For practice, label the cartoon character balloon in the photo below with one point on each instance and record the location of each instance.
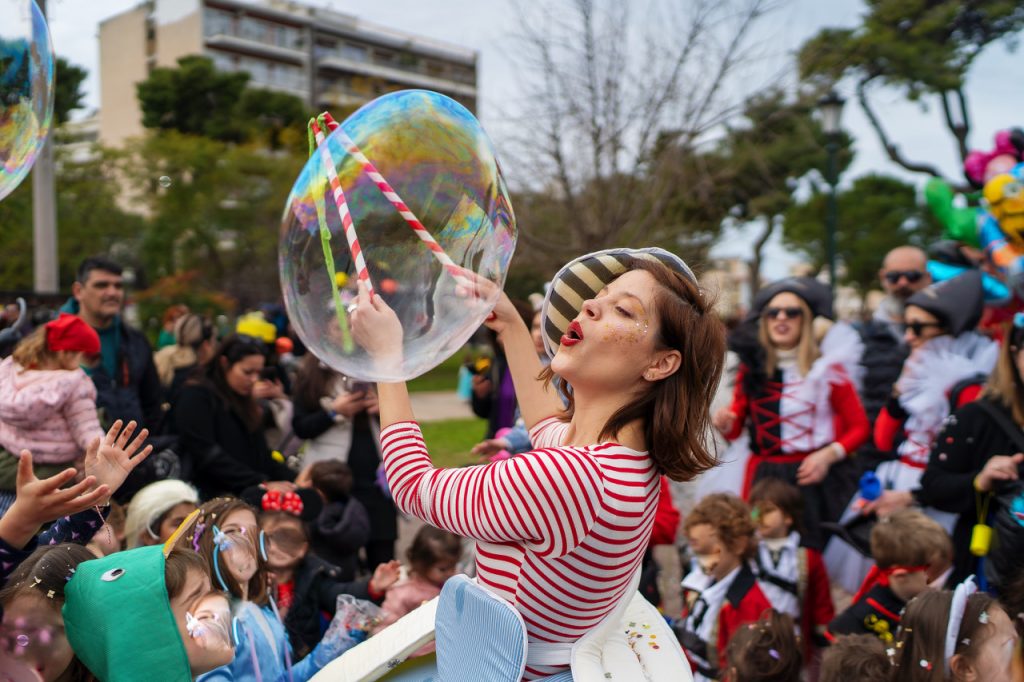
(406, 196)
(26, 89)
(1002, 228)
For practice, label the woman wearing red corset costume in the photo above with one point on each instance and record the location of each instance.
(797, 397)
(562, 530)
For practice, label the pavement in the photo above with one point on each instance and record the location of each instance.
(434, 406)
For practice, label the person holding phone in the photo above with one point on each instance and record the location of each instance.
(337, 416)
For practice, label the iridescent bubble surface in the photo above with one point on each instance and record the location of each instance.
(436, 156)
(26, 89)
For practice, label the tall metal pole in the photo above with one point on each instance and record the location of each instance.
(44, 215)
(831, 147)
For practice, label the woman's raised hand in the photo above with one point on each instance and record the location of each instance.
(724, 419)
(376, 327)
(503, 316)
(110, 460)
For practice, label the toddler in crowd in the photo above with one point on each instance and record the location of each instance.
(343, 526)
(157, 510)
(904, 546)
(433, 557)
(958, 636)
(47, 403)
(154, 634)
(721, 592)
(306, 588)
(855, 658)
(793, 577)
(765, 651)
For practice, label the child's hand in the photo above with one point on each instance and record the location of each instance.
(384, 576)
(111, 460)
(40, 501)
(376, 327)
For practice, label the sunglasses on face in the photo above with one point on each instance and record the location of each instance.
(917, 328)
(912, 276)
(793, 313)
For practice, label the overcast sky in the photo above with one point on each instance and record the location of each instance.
(485, 25)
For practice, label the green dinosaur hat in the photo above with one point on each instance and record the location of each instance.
(119, 622)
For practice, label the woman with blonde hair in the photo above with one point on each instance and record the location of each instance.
(796, 396)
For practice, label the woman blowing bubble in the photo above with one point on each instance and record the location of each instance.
(561, 530)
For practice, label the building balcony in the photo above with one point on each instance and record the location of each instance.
(394, 75)
(223, 41)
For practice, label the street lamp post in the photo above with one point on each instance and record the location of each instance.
(831, 106)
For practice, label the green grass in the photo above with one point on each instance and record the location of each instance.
(444, 377)
(450, 441)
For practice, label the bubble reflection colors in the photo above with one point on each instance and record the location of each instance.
(26, 89)
(438, 159)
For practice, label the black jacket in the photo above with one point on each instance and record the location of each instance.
(877, 613)
(317, 587)
(225, 456)
(884, 355)
(135, 392)
(969, 439)
(338, 533)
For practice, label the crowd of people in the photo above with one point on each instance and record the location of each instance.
(851, 510)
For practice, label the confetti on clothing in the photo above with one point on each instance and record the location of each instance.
(571, 522)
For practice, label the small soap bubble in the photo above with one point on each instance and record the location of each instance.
(165, 181)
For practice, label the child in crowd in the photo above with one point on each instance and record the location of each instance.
(32, 601)
(306, 588)
(957, 636)
(110, 537)
(47, 403)
(721, 592)
(157, 510)
(225, 533)
(129, 616)
(433, 557)
(343, 525)
(792, 577)
(765, 651)
(855, 658)
(904, 545)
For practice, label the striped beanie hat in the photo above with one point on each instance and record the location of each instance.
(580, 280)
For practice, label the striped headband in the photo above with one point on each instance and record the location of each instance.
(581, 279)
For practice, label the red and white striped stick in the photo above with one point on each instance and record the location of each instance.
(391, 195)
(346, 218)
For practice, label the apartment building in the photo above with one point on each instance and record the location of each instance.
(330, 59)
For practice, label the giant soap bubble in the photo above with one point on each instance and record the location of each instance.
(440, 163)
(26, 89)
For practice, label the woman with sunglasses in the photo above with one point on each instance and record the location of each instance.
(948, 363)
(796, 396)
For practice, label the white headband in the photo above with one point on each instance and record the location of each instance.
(956, 616)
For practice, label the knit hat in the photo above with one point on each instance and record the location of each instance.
(957, 302)
(152, 502)
(579, 280)
(118, 618)
(71, 333)
(816, 295)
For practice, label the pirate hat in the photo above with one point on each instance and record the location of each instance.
(957, 302)
(816, 295)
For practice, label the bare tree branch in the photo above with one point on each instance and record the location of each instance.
(959, 130)
(890, 149)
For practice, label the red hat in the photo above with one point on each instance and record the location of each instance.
(70, 332)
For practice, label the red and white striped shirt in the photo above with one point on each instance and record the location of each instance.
(559, 530)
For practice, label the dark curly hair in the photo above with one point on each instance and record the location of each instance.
(729, 516)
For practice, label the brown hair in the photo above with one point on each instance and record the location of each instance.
(311, 382)
(855, 657)
(675, 411)
(906, 538)
(332, 478)
(176, 568)
(729, 516)
(922, 635)
(765, 651)
(781, 494)
(33, 353)
(806, 349)
(232, 350)
(1005, 385)
(213, 513)
(430, 546)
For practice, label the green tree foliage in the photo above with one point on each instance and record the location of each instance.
(924, 48)
(220, 213)
(876, 214)
(67, 94)
(90, 220)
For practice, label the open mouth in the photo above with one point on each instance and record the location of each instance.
(573, 334)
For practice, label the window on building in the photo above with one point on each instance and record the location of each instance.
(355, 53)
(217, 22)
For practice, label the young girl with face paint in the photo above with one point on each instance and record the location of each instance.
(225, 533)
(638, 350)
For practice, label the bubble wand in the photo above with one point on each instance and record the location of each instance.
(316, 138)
